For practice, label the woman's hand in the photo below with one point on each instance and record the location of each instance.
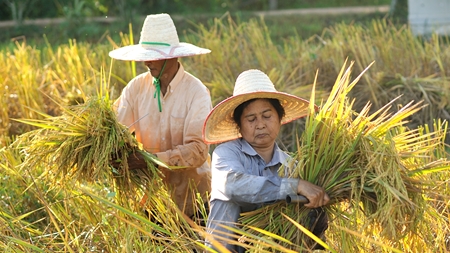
(315, 194)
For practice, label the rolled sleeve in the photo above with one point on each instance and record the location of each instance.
(288, 188)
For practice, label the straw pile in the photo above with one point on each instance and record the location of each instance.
(83, 143)
(370, 162)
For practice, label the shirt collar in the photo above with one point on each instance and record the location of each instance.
(277, 158)
(177, 78)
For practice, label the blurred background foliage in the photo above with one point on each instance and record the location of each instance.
(90, 20)
(31, 9)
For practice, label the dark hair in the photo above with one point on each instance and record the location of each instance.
(273, 101)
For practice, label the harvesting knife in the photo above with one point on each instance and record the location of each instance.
(296, 199)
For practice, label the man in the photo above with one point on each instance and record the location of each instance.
(166, 107)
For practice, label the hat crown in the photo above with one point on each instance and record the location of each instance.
(159, 28)
(253, 81)
(158, 41)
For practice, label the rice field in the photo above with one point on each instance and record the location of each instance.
(407, 82)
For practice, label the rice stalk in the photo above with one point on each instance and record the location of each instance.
(371, 162)
(82, 144)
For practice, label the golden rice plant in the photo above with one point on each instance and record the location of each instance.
(248, 45)
(67, 73)
(407, 65)
(14, 228)
(371, 165)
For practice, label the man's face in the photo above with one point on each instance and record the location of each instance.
(154, 67)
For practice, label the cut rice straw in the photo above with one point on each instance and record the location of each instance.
(372, 163)
(82, 144)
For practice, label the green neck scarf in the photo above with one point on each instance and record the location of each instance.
(157, 83)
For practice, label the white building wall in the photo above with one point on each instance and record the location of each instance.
(428, 16)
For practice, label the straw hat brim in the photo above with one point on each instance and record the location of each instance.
(154, 53)
(219, 126)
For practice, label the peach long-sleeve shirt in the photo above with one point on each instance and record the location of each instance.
(175, 134)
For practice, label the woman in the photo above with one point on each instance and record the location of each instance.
(245, 167)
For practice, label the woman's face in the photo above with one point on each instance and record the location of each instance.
(260, 124)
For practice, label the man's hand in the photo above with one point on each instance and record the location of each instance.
(135, 161)
(315, 194)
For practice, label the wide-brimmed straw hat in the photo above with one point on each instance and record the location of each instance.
(219, 126)
(158, 41)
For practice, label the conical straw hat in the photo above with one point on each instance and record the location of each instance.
(158, 41)
(219, 126)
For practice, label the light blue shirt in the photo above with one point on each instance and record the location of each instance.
(242, 182)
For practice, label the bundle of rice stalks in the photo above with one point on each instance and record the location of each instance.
(370, 165)
(83, 144)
